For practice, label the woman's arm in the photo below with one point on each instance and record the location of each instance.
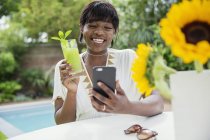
(119, 103)
(65, 111)
(149, 106)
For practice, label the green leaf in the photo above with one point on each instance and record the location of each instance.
(67, 33)
(198, 66)
(61, 34)
(64, 42)
(56, 38)
(208, 64)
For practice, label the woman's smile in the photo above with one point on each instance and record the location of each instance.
(98, 40)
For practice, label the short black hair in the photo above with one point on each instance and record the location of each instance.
(99, 11)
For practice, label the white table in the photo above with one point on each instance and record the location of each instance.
(105, 128)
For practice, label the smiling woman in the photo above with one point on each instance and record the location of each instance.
(74, 96)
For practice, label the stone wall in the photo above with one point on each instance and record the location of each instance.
(42, 57)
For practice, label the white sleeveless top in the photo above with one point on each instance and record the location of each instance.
(122, 60)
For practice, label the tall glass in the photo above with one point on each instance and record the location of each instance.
(71, 54)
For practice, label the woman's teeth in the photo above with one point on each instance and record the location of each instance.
(99, 41)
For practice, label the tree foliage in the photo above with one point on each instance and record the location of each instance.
(49, 16)
(12, 40)
(8, 6)
(136, 18)
(28, 21)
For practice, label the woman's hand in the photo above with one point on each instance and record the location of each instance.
(69, 80)
(116, 103)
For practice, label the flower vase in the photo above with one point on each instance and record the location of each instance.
(191, 104)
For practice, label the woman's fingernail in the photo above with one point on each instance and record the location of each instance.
(99, 83)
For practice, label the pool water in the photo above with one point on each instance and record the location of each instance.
(30, 118)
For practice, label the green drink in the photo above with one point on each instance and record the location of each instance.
(71, 54)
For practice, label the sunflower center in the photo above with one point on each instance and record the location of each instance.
(196, 32)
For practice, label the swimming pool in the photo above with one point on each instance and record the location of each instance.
(31, 117)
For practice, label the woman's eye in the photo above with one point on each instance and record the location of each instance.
(92, 26)
(108, 28)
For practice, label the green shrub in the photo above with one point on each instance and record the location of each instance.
(7, 64)
(7, 90)
(37, 83)
(33, 81)
(9, 87)
(48, 77)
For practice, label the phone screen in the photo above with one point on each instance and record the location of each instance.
(107, 75)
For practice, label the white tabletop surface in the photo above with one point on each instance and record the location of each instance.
(105, 128)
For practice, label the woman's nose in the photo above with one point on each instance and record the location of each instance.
(99, 31)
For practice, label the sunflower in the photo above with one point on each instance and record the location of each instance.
(140, 68)
(186, 29)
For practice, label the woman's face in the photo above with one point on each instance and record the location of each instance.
(98, 35)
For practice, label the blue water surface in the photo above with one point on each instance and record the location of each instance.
(30, 118)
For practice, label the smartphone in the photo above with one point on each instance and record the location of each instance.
(104, 74)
